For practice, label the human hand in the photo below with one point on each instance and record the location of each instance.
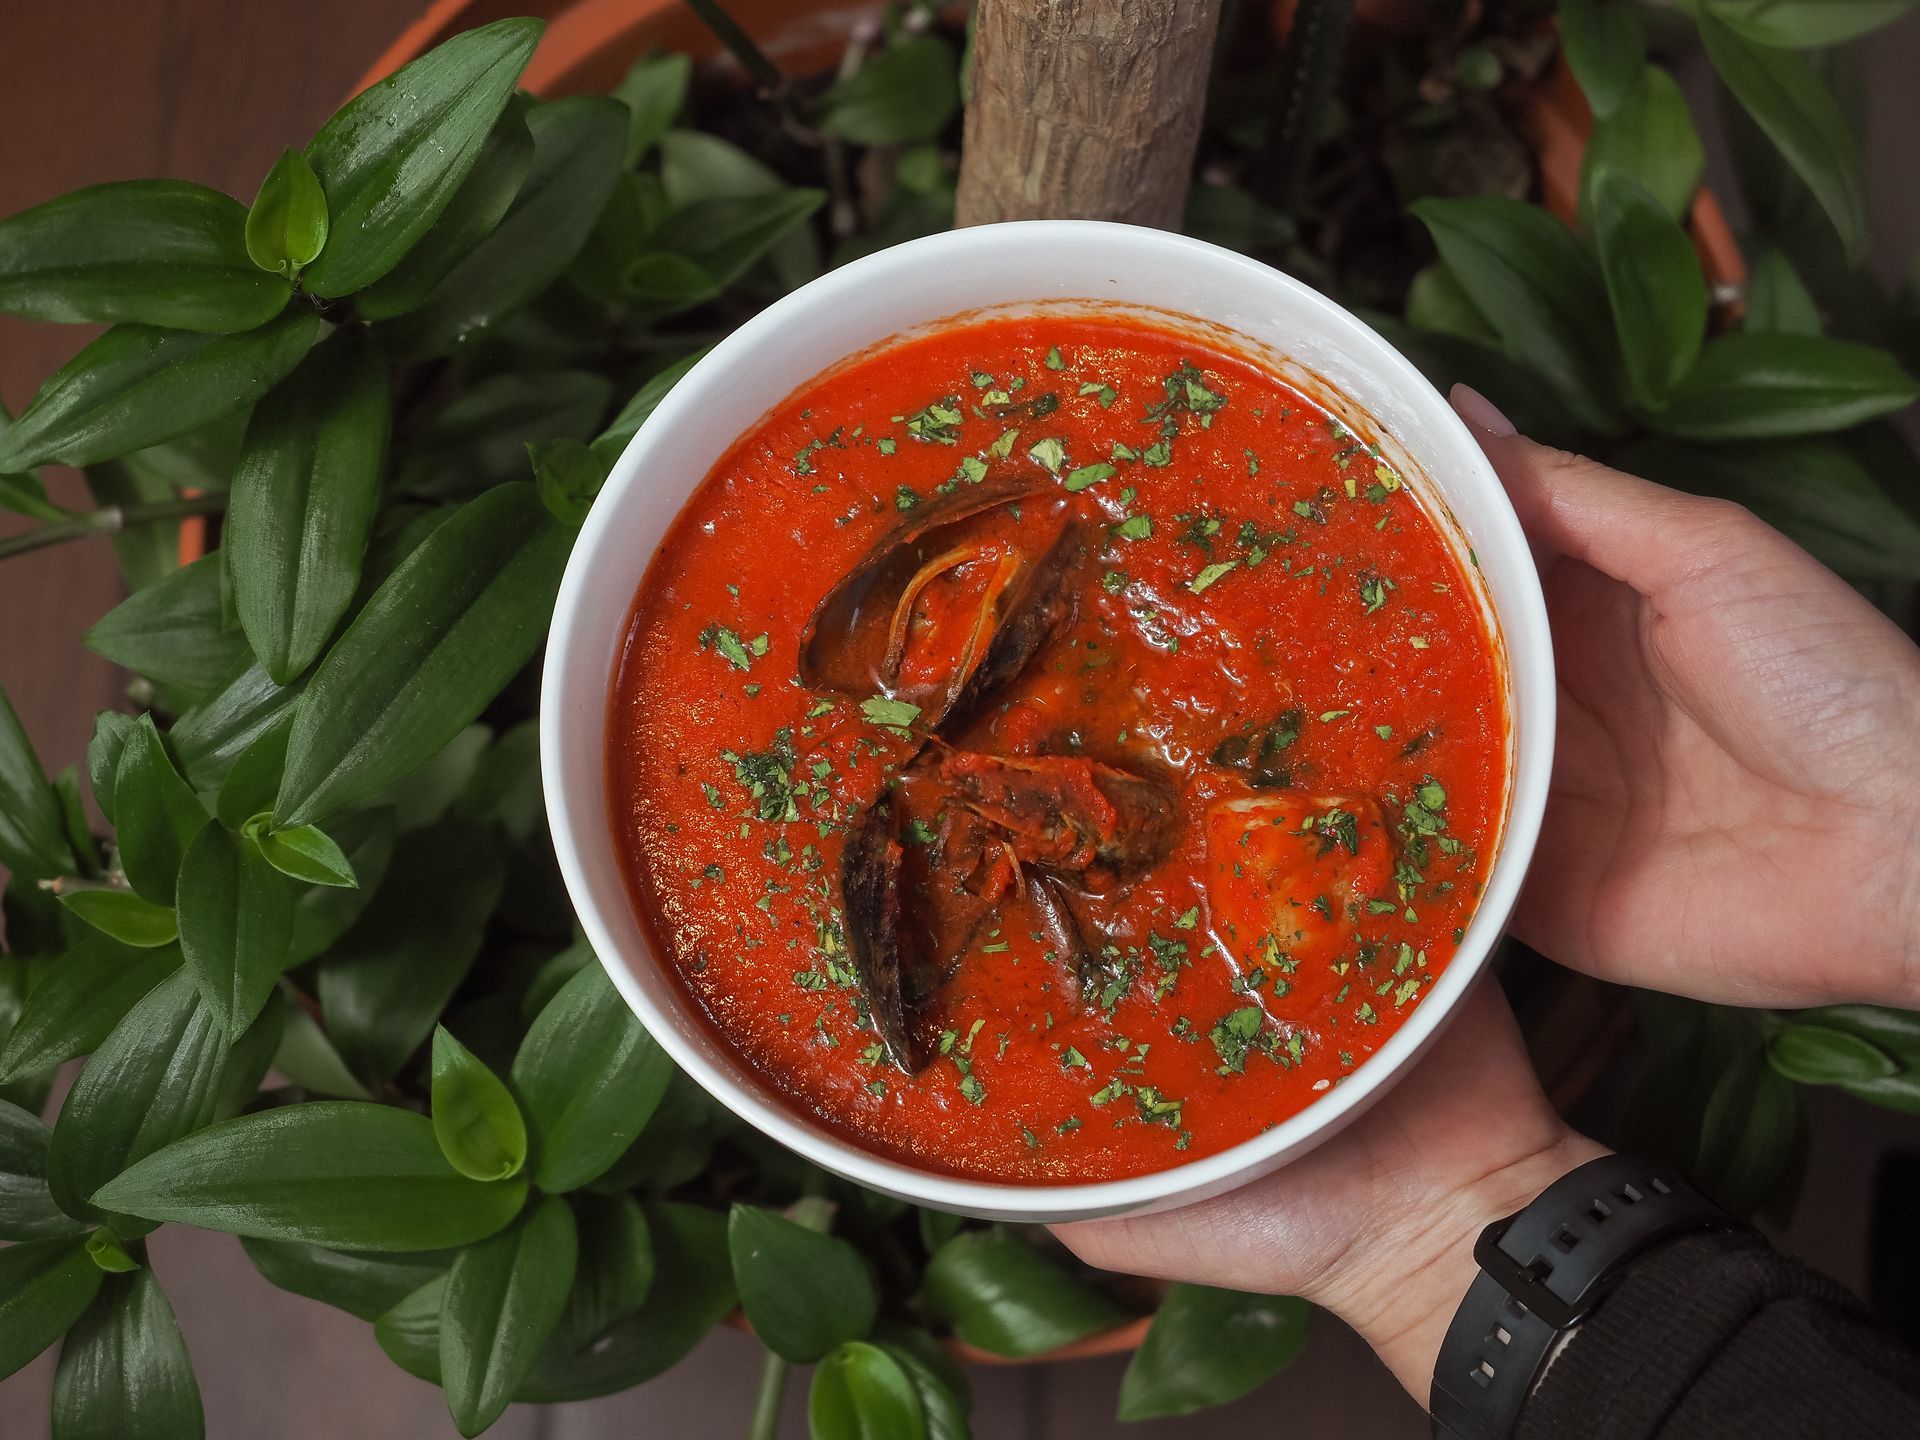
(1377, 1225)
(1735, 809)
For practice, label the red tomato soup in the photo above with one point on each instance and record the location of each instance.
(1052, 749)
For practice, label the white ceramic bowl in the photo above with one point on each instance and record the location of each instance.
(1036, 265)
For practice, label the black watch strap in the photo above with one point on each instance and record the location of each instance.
(1541, 1272)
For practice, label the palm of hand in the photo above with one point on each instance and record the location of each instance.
(1733, 813)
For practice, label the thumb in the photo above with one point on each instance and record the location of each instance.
(1644, 535)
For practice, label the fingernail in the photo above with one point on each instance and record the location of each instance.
(1478, 411)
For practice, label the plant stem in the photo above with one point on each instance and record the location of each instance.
(109, 519)
(767, 75)
(773, 1389)
(1309, 66)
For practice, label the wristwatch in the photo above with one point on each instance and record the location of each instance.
(1542, 1271)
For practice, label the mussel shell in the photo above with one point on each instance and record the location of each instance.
(870, 898)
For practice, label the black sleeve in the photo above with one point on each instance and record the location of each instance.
(1720, 1337)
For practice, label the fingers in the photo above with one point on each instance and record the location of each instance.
(1642, 534)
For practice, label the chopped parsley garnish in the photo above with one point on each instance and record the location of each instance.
(731, 647)
(894, 715)
(1235, 1035)
(1212, 573)
(1087, 475)
(1049, 453)
(938, 423)
(1134, 527)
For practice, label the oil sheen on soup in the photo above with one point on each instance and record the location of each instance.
(1051, 749)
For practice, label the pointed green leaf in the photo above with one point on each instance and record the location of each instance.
(393, 159)
(1768, 386)
(45, 1285)
(179, 630)
(477, 207)
(475, 1120)
(110, 732)
(306, 1057)
(701, 250)
(25, 495)
(236, 922)
(323, 915)
(157, 815)
(83, 996)
(385, 982)
(615, 1272)
(1806, 24)
(148, 252)
(803, 1292)
(216, 732)
(154, 1079)
(1650, 138)
(306, 853)
(27, 1208)
(1207, 1346)
(124, 1373)
(1821, 1055)
(330, 1172)
(589, 1076)
(1778, 302)
(644, 402)
(1788, 100)
(653, 92)
(304, 495)
(360, 1284)
(1654, 284)
(945, 1396)
(996, 1291)
(905, 93)
(861, 1393)
(1606, 46)
(481, 438)
(253, 781)
(1541, 290)
(577, 145)
(33, 835)
(136, 386)
(123, 916)
(287, 226)
(504, 1296)
(569, 474)
(436, 642)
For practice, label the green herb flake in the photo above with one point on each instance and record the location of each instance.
(1086, 475)
(894, 715)
(1054, 360)
(1134, 527)
(1049, 453)
(1212, 573)
(719, 638)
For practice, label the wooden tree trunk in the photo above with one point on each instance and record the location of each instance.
(1085, 109)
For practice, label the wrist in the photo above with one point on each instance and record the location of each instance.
(1399, 1285)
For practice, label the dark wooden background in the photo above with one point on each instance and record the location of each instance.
(212, 90)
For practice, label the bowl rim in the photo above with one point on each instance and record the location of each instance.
(572, 658)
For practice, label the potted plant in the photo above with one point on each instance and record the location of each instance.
(392, 385)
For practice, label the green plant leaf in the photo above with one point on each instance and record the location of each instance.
(1790, 102)
(154, 1079)
(253, 781)
(322, 916)
(136, 386)
(45, 1285)
(336, 1173)
(1750, 387)
(124, 916)
(33, 834)
(589, 1075)
(636, 411)
(945, 1396)
(1778, 303)
(861, 1393)
(475, 1120)
(394, 158)
(124, 1373)
(148, 252)
(410, 1331)
(384, 983)
(1207, 1346)
(504, 788)
(212, 736)
(615, 1270)
(504, 1296)
(1897, 1032)
(366, 1285)
(79, 1002)
(701, 250)
(179, 630)
(306, 853)
(110, 732)
(577, 144)
(998, 1292)
(436, 642)
(476, 208)
(907, 92)
(653, 91)
(236, 923)
(1752, 1125)
(481, 438)
(252, 1056)
(569, 474)
(287, 226)
(1540, 289)
(1436, 302)
(1806, 24)
(304, 495)
(1654, 284)
(306, 1057)
(25, 495)
(696, 166)
(1606, 46)
(1821, 1055)
(1651, 138)
(803, 1292)
(27, 1208)
(157, 815)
